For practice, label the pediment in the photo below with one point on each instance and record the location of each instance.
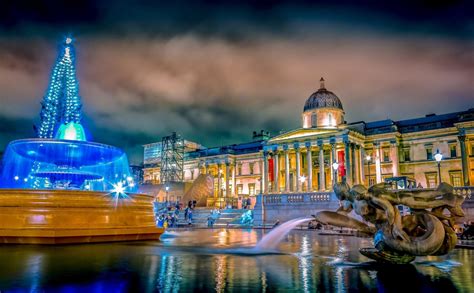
(302, 134)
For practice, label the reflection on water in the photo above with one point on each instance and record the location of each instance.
(311, 263)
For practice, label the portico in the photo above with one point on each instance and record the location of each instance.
(302, 160)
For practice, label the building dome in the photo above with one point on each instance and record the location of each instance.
(322, 99)
(323, 109)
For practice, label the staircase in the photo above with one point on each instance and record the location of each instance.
(227, 218)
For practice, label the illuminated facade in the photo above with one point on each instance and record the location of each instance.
(302, 160)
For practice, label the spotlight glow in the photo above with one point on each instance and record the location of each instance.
(118, 189)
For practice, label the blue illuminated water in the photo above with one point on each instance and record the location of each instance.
(204, 261)
(64, 164)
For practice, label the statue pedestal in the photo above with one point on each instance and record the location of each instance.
(67, 216)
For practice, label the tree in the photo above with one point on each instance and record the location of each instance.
(61, 103)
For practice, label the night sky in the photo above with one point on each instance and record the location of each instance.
(214, 72)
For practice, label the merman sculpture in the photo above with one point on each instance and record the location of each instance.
(427, 230)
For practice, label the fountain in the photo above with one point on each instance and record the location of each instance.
(428, 230)
(272, 239)
(62, 188)
(64, 164)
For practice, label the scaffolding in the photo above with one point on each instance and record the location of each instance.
(172, 159)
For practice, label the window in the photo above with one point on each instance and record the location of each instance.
(314, 120)
(386, 155)
(252, 188)
(452, 151)
(239, 169)
(240, 188)
(251, 165)
(406, 155)
(456, 179)
(371, 180)
(330, 122)
(429, 153)
(431, 180)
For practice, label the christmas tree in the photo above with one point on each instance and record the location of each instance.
(61, 103)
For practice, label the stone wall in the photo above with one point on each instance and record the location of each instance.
(284, 207)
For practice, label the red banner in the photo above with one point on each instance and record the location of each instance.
(341, 162)
(270, 170)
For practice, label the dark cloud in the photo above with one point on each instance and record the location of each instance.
(215, 72)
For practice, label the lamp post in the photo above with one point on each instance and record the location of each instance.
(438, 157)
(368, 158)
(335, 166)
(167, 188)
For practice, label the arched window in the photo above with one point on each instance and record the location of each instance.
(314, 120)
(330, 119)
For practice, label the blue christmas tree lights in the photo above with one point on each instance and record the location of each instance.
(61, 103)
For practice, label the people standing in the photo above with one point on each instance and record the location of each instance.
(186, 212)
(190, 217)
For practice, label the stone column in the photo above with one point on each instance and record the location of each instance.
(394, 158)
(227, 179)
(234, 182)
(276, 172)
(219, 175)
(322, 174)
(287, 169)
(205, 168)
(265, 173)
(347, 162)
(333, 159)
(355, 171)
(357, 164)
(464, 160)
(298, 167)
(378, 169)
(353, 165)
(361, 165)
(310, 166)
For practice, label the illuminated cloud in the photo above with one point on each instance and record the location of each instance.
(216, 87)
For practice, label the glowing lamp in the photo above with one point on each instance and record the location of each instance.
(438, 156)
(335, 166)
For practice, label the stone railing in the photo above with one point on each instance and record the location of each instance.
(314, 197)
(466, 191)
(297, 198)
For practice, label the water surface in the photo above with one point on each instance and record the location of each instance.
(216, 260)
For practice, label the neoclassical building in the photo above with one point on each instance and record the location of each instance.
(326, 148)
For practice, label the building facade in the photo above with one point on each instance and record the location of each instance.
(327, 149)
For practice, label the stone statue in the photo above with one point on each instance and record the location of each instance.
(427, 230)
(201, 189)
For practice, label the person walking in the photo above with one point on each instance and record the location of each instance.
(190, 217)
(186, 212)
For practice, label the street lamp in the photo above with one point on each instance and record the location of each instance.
(438, 157)
(368, 158)
(167, 188)
(302, 179)
(335, 166)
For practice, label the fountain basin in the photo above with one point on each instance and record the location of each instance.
(40, 163)
(68, 216)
